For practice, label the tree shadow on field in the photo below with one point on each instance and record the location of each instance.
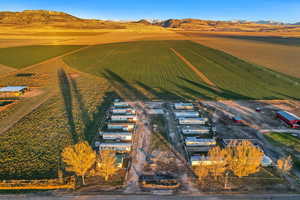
(226, 94)
(83, 111)
(93, 125)
(66, 92)
(193, 94)
(124, 87)
(160, 93)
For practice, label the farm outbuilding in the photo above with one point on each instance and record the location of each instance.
(289, 118)
(192, 121)
(10, 91)
(237, 119)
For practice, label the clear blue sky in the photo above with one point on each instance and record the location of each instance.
(278, 10)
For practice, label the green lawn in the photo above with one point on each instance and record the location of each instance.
(285, 139)
(152, 67)
(19, 57)
(288, 141)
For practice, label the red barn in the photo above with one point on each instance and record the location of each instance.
(289, 118)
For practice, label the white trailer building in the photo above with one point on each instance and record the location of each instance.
(121, 126)
(198, 160)
(121, 105)
(192, 121)
(194, 141)
(181, 114)
(123, 111)
(183, 106)
(195, 130)
(121, 147)
(122, 136)
(123, 118)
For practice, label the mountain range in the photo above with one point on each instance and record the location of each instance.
(64, 20)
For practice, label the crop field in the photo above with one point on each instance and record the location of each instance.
(19, 57)
(71, 107)
(149, 69)
(277, 52)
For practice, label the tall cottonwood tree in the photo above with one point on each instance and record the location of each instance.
(218, 159)
(243, 158)
(106, 164)
(79, 158)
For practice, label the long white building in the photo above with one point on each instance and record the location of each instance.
(192, 121)
(121, 147)
(183, 106)
(121, 126)
(123, 111)
(181, 114)
(121, 105)
(123, 118)
(122, 136)
(195, 130)
(193, 141)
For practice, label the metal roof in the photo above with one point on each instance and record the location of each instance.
(289, 116)
(12, 88)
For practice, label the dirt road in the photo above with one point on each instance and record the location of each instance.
(140, 147)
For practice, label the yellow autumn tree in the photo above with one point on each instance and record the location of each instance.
(243, 158)
(106, 164)
(285, 164)
(217, 156)
(79, 158)
(202, 172)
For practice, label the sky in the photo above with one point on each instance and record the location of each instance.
(252, 10)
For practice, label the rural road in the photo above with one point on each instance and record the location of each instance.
(155, 197)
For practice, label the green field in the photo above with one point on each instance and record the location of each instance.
(31, 148)
(19, 57)
(285, 139)
(149, 69)
(289, 143)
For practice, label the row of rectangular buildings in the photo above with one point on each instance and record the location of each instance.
(117, 133)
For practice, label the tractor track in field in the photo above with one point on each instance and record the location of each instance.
(196, 70)
(23, 113)
(45, 61)
(26, 110)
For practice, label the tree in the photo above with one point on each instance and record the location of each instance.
(285, 164)
(243, 158)
(106, 164)
(202, 172)
(79, 158)
(217, 156)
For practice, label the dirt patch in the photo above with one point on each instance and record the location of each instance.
(6, 104)
(198, 72)
(74, 75)
(33, 92)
